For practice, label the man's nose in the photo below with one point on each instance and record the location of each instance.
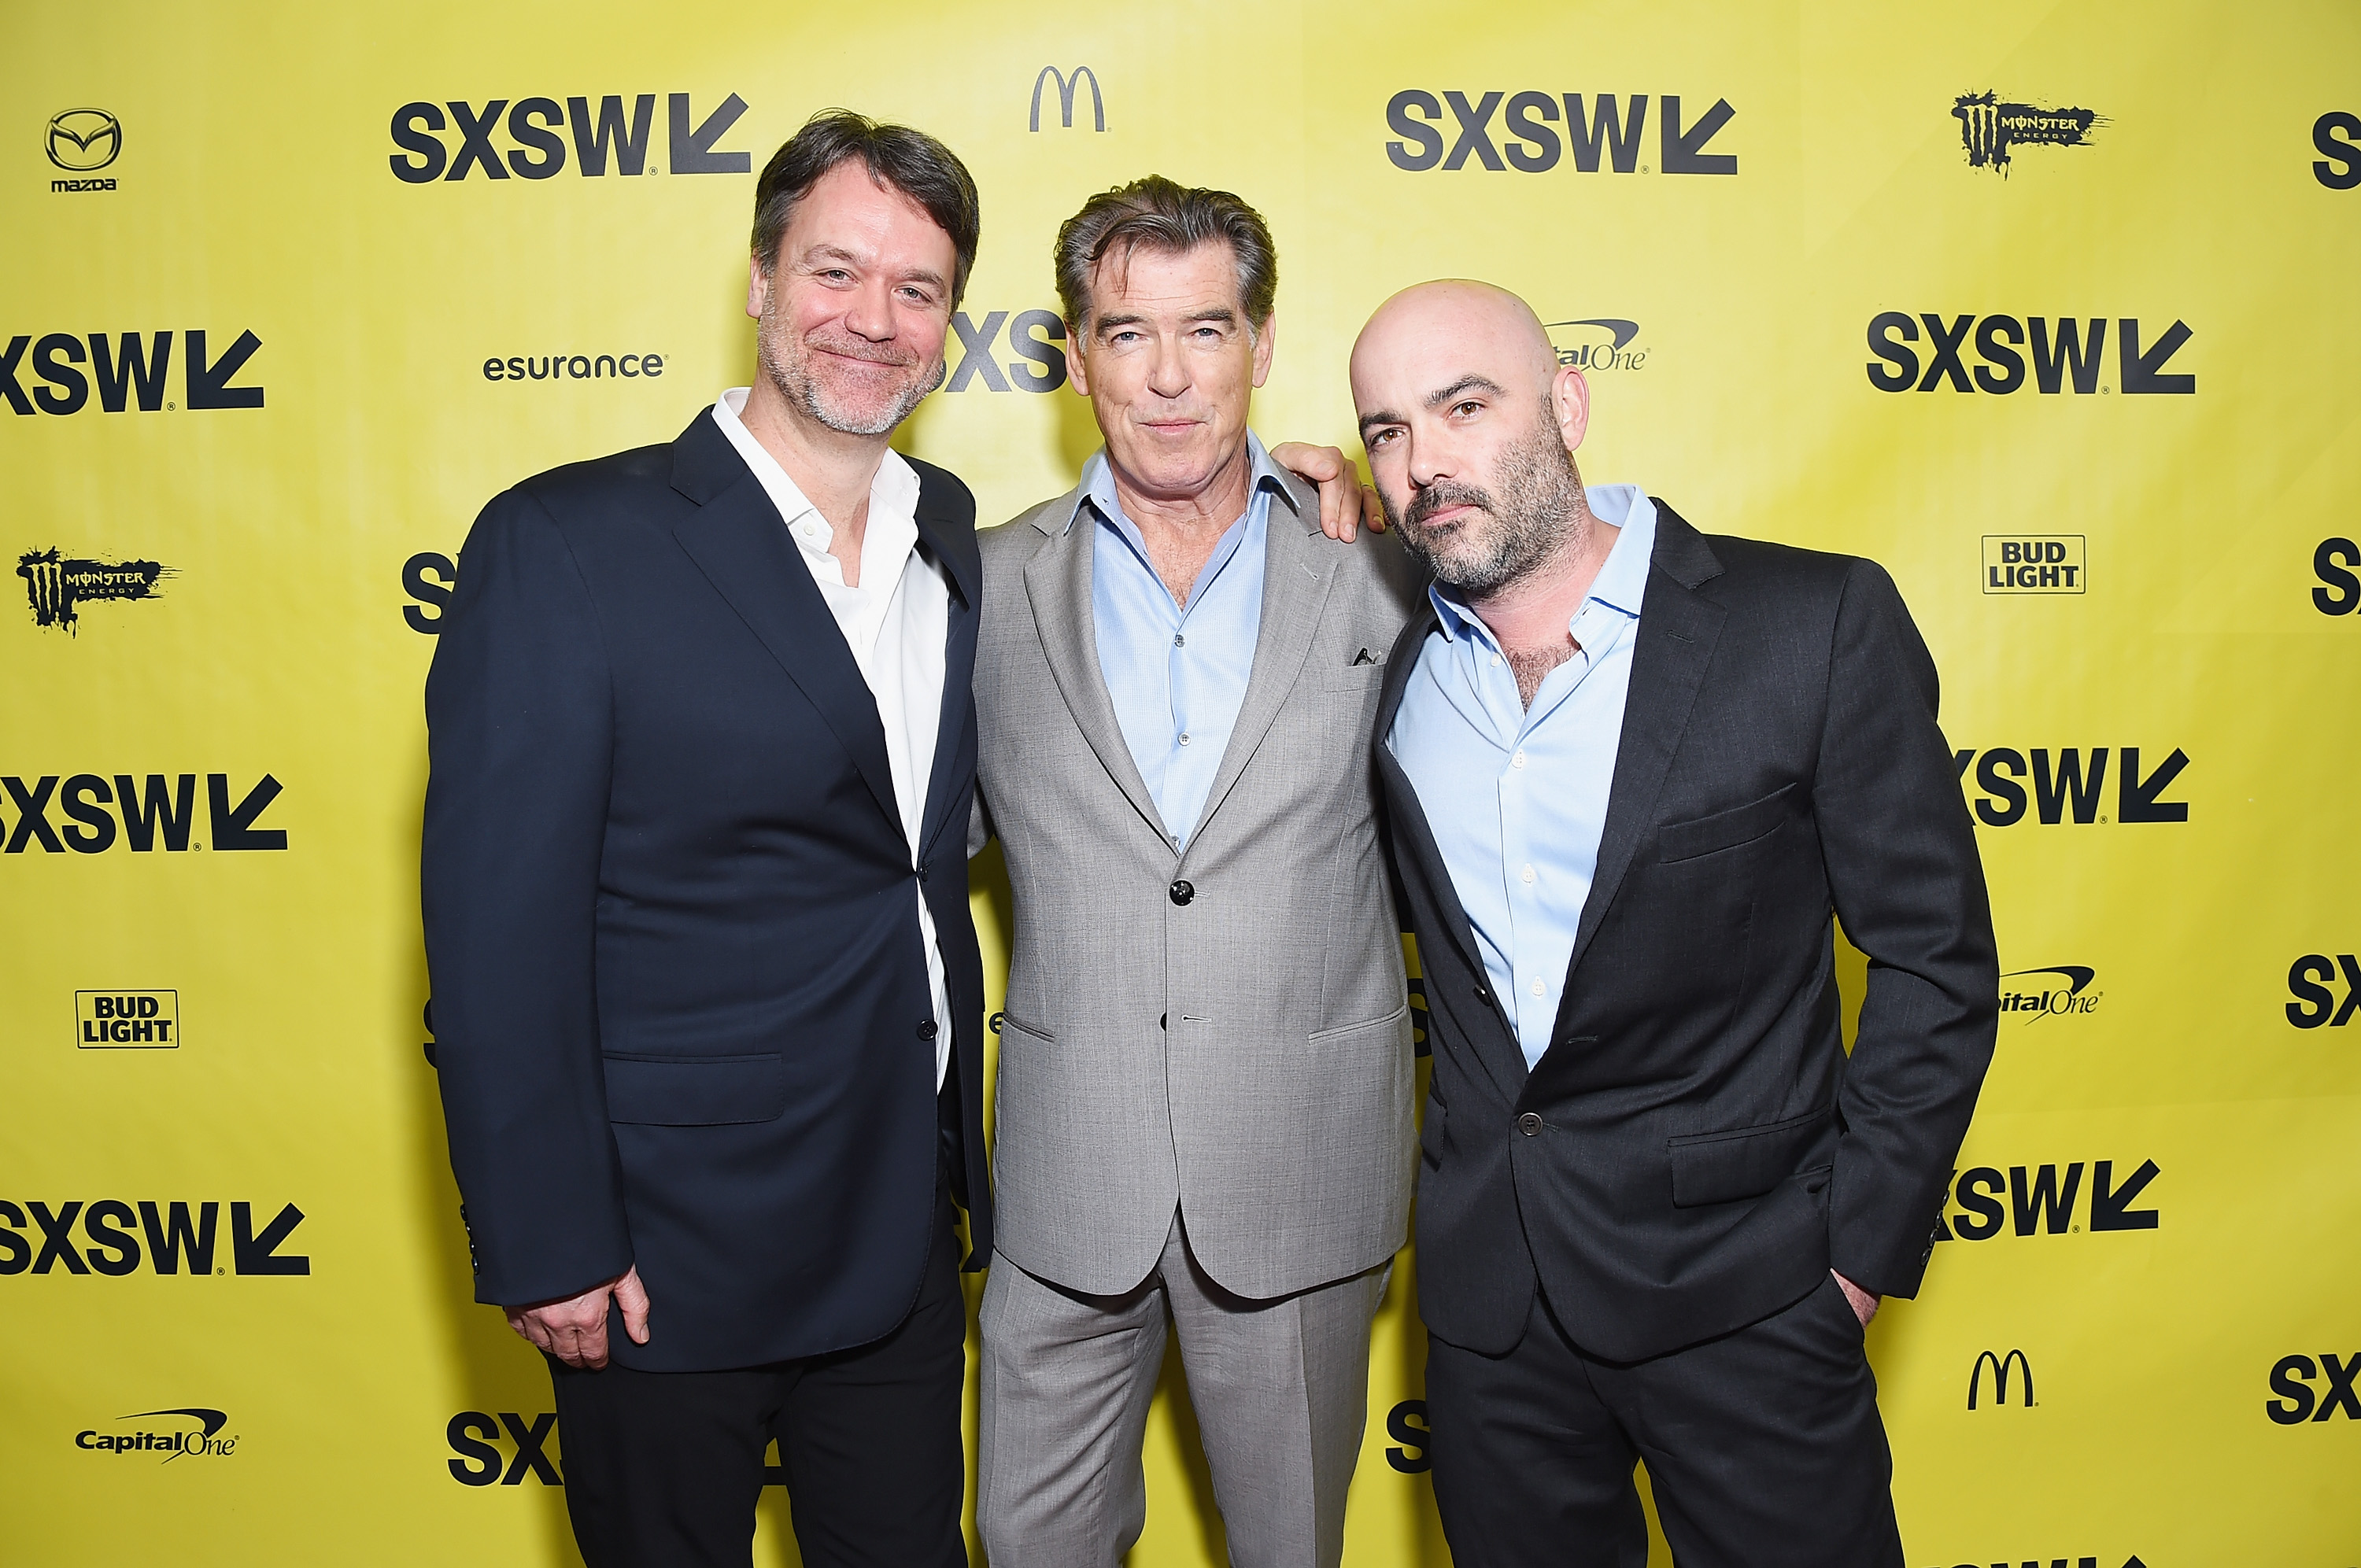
(869, 313)
(1168, 372)
(1427, 460)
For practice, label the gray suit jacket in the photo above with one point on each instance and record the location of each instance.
(1246, 1054)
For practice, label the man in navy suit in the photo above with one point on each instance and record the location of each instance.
(707, 994)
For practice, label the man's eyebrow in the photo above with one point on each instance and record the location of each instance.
(1375, 418)
(1468, 383)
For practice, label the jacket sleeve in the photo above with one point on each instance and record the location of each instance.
(519, 745)
(1909, 888)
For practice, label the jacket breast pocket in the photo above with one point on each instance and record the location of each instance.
(1744, 1162)
(695, 1091)
(1725, 830)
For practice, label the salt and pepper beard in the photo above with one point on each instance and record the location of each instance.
(1540, 511)
(793, 375)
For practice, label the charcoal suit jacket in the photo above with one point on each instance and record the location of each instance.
(1695, 1149)
(681, 1003)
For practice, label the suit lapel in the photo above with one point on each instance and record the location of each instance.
(737, 540)
(1057, 585)
(1295, 582)
(1676, 635)
(946, 519)
(1413, 839)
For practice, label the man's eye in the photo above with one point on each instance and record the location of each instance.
(1379, 438)
(1469, 407)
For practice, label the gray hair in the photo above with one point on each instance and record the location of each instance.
(1164, 216)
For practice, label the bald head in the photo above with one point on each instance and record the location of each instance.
(1454, 321)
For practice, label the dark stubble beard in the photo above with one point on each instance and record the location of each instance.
(786, 360)
(1539, 507)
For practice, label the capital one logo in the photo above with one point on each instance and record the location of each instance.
(1066, 86)
(2000, 1366)
(608, 137)
(197, 1431)
(82, 141)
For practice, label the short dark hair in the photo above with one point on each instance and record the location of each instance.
(910, 161)
(1163, 216)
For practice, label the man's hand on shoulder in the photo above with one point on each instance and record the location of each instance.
(1864, 1305)
(575, 1330)
(1345, 503)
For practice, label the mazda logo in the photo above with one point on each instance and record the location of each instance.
(81, 140)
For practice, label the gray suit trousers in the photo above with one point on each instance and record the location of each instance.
(1279, 1389)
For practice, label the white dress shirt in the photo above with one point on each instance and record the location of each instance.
(896, 623)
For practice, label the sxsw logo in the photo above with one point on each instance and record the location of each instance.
(172, 1234)
(2334, 134)
(429, 578)
(2070, 781)
(1406, 1424)
(140, 1020)
(2041, 1200)
(2000, 1366)
(55, 585)
(2298, 1401)
(1988, 128)
(1032, 336)
(2334, 565)
(2074, 353)
(161, 813)
(538, 152)
(194, 1431)
(1066, 86)
(2308, 979)
(1534, 135)
(475, 1436)
(127, 368)
(2047, 564)
(2062, 991)
(2059, 1562)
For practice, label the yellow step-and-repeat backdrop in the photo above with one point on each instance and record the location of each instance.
(2051, 308)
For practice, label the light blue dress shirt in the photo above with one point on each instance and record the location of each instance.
(1177, 673)
(1516, 796)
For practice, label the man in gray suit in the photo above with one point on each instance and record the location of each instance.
(1205, 1067)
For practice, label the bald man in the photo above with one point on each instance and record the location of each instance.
(1631, 770)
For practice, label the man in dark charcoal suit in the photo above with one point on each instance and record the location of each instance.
(1630, 771)
(707, 993)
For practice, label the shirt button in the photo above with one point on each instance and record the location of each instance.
(1528, 875)
(1529, 1124)
(1518, 760)
(1184, 736)
(1180, 639)
(1541, 988)
(927, 1028)
(1182, 891)
(1495, 661)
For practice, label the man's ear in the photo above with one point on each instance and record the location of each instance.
(758, 287)
(1077, 367)
(1266, 338)
(1570, 395)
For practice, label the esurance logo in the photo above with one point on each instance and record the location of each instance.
(37, 1237)
(2062, 991)
(1535, 137)
(160, 815)
(54, 586)
(134, 1020)
(2071, 781)
(2332, 137)
(1989, 128)
(2292, 1377)
(1598, 343)
(187, 1432)
(1033, 336)
(2072, 353)
(2333, 562)
(81, 142)
(610, 137)
(2053, 563)
(127, 368)
(2000, 1366)
(2041, 1200)
(2309, 979)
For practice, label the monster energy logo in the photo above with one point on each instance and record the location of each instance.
(1990, 127)
(55, 586)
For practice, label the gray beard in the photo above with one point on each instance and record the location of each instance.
(1539, 504)
(792, 375)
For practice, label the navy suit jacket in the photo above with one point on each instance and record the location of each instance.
(681, 1004)
(1695, 1149)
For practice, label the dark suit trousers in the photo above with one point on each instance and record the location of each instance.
(1763, 1449)
(663, 1469)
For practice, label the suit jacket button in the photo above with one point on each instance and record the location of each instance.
(1529, 1124)
(926, 1029)
(1482, 994)
(1182, 891)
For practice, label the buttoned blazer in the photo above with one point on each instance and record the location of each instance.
(1695, 1149)
(1222, 1028)
(681, 1004)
